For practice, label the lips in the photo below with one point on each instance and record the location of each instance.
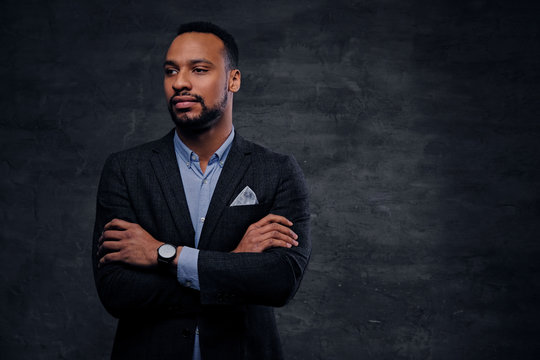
(183, 101)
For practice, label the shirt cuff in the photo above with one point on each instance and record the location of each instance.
(187, 272)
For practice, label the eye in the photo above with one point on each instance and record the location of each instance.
(170, 71)
(199, 70)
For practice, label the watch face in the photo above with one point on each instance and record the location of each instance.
(167, 251)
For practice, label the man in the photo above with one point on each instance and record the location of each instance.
(199, 234)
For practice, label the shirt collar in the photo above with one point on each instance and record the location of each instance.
(187, 156)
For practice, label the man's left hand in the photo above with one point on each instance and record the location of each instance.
(128, 243)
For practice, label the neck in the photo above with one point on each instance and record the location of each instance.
(206, 144)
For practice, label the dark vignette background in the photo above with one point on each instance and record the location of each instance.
(416, 124)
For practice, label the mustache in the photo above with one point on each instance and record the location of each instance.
(197, 98)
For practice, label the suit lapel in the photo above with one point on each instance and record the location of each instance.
(166, 168)
(238, 161)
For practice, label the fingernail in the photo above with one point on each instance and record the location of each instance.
(289, 245)
(296, 243)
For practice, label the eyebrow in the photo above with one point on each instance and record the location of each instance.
(192, 62)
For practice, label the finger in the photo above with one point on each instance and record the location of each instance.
(114, 235)
(110, 257)
(110, 246)
(277, 227)
(276, 235)
(271, 218)
(274, 243)
(117, 224)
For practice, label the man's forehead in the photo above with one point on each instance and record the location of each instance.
(196, 44)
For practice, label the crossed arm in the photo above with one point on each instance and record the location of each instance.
(128, 243)
(265, 268)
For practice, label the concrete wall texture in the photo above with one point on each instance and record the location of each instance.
(416, 124)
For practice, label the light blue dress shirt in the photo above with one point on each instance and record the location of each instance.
(198, 188)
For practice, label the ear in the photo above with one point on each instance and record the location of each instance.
(234, 80)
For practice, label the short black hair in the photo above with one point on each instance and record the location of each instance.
(231, 49)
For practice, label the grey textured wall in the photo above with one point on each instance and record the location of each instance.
(416, 124)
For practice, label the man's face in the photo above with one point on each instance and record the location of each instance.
(196, 81)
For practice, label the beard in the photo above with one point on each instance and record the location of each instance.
(202, 122)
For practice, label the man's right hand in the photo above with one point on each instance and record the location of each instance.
(271, 231)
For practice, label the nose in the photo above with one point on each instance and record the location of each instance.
(181, 82)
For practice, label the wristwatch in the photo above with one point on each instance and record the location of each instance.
(166, 254)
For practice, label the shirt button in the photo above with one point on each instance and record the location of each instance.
(193, 157)
(205, 181)
(221, 163)
(202, 219)
(188, 283)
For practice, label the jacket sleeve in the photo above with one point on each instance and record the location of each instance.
(123, 289)
(273, 276)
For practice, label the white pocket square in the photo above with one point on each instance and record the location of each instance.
(246, 197)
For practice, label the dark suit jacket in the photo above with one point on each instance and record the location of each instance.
(233, 310)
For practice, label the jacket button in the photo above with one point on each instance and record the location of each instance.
(186, 333)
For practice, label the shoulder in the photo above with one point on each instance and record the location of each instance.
(260, 152)
(269, 163)
(143, 151)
